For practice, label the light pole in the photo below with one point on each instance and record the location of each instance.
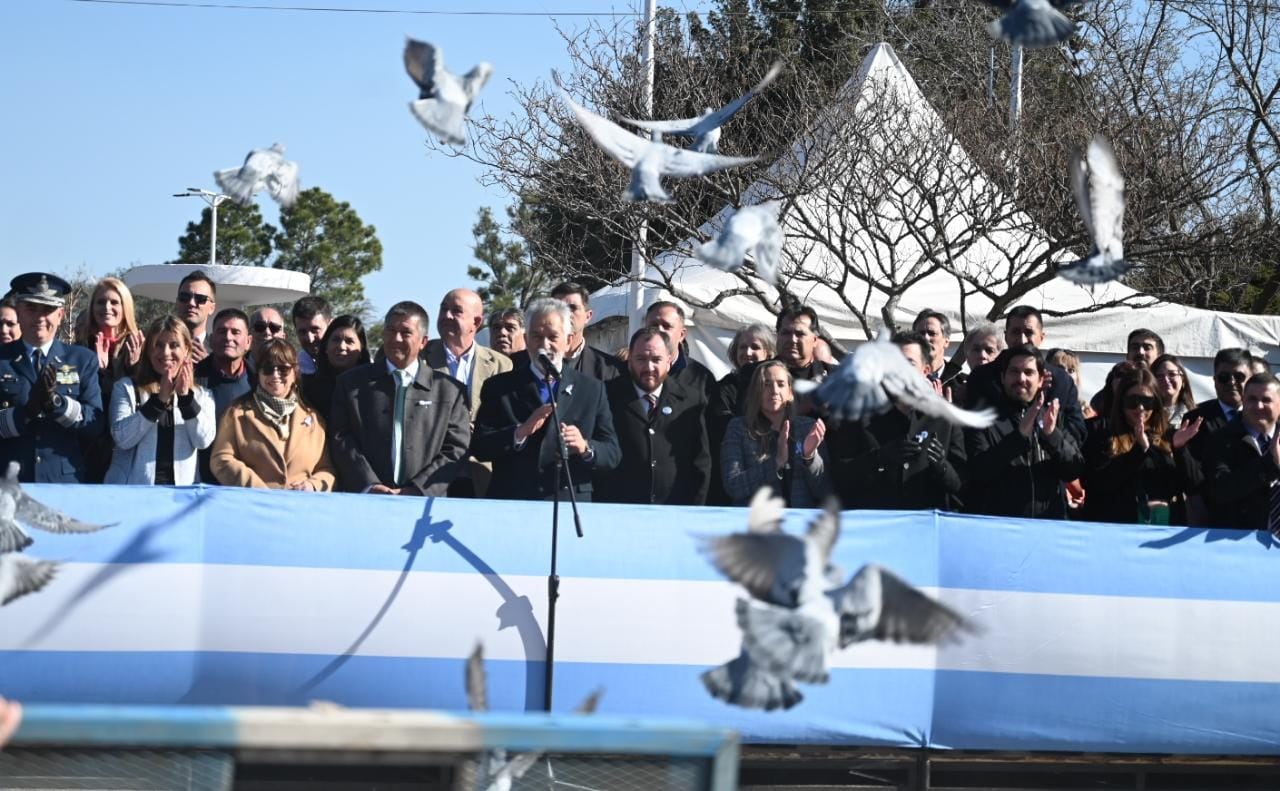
(214, 199)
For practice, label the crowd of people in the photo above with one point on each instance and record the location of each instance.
(223, 397)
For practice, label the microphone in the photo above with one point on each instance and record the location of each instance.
(548, 367)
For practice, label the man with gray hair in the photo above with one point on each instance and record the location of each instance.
(514, 427)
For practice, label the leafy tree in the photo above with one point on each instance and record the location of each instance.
(327, 240)
(244, 239)
(507, 276)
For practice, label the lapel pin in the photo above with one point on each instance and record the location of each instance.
(424, 403)
(306, 421)
(666, 410)
(568, 390)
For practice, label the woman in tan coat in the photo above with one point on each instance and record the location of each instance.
(270, 438)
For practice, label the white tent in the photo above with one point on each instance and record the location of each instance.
(1098, 334)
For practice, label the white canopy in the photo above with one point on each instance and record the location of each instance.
(1098, 334)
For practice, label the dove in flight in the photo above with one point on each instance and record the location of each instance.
(19, 574)
(877, 375)
(751, 229)
(798, 617)
(1033, 24)
(263, 169)
(444, 98)
(705, 129)
(649, 160)
(1099, 189)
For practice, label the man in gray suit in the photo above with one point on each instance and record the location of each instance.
(457, 354)
(397, 426)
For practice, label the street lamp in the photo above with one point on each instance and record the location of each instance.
(214, 199)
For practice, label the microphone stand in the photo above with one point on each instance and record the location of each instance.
(553, 579)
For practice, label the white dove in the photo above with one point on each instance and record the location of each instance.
(1099, 190)
(751, 229)
(705, 129)
(1033, 24)
(497, 770)
(20, 575)
(263, 168)
(649, 160)
(869, 382)
(784, 643)
(443, 97)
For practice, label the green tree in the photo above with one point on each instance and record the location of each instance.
(327, 240)
(508, 280)
(244, 239)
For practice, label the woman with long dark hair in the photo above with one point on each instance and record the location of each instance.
(1173, 387)
(343, 347)
(1135, 465)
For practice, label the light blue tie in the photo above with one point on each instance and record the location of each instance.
(397, 425)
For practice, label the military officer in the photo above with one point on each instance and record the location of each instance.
(49, 397)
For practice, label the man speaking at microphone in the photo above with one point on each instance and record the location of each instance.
(515, 428)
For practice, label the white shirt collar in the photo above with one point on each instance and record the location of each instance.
(412, 370)
(640, 393)
(43, 349)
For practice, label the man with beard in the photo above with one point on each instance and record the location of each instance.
(661, 429)
(1018, 466)
(514, 426)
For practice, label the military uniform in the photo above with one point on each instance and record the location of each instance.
(47, 445)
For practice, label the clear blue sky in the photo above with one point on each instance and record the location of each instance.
(109, 109)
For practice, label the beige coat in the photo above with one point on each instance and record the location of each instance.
(249, 451)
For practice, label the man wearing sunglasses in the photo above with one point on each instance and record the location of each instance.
(265, 324)
(196, 302)
(1243, 485)
(1231, 369)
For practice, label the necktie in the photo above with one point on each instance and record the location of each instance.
(652, 401)
(37, 360)
(397, 424)
(1263, 442)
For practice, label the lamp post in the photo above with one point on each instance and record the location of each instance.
(214, 199)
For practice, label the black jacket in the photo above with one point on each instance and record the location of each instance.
(881, 472)
(1013, 475)
(984, 387)
(664, 460)
(1238, 479)
(1117, 487)
(529, 472)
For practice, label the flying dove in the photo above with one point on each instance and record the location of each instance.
(263, 169)
(1099, 190)
(444, 98)
(1033, 24)
(752, 229)
(705, 129)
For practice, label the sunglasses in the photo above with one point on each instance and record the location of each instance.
(273, 370)
(1146, 403)
(263, 326)
(1225, 378)
(190, 296)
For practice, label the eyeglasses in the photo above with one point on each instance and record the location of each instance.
(1169, 375)
(1143, 402)
(274, 370)
(191, 296)
(263, 326)
(1226, 378)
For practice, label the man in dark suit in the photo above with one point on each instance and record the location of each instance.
(514, 427)
(397, 426)
(669, 317)
(1231, 370)
(661, 426)
(905, 459)
(1024, 326)
(1243, 471)
(49, 397)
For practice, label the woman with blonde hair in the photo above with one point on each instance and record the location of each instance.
(110, 328)
(159, 416)
(771, 446)
(271, 438)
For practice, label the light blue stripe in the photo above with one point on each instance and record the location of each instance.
(899, 708)
(256, 527)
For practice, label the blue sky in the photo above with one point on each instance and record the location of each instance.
(109, 110)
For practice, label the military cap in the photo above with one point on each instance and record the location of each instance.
(40, 288)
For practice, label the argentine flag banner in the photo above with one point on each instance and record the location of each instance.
(1118, 638)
